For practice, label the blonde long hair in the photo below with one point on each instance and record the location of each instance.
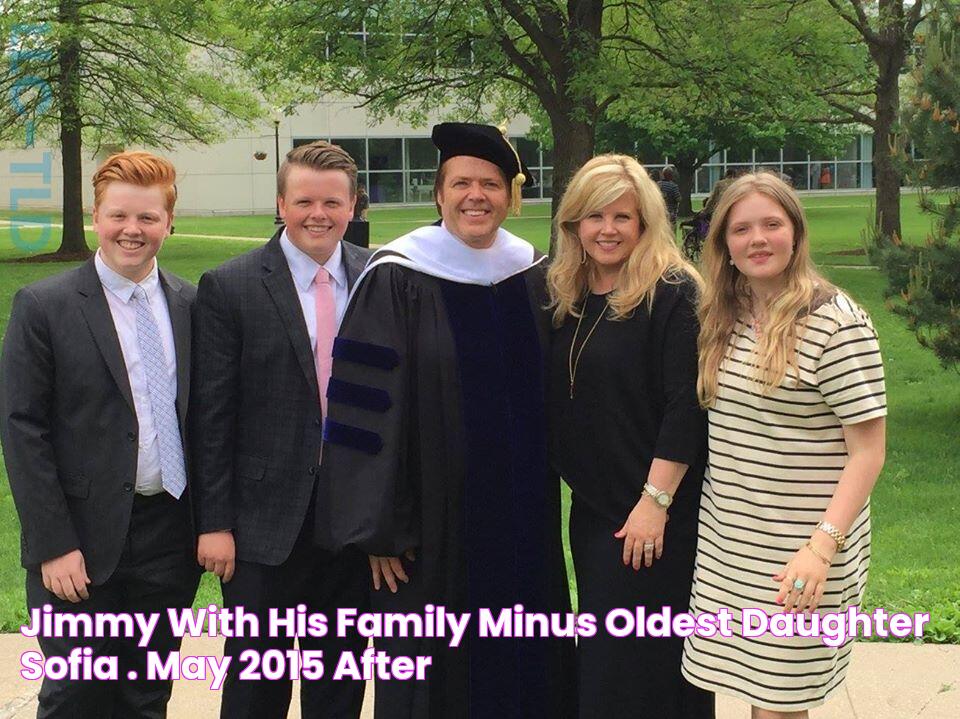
(599, 182)
(727, 293)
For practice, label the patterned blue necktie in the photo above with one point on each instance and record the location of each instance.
(162, 402)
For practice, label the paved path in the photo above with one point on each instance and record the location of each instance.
(886, 681)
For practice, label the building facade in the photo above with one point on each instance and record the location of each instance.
(396, 161)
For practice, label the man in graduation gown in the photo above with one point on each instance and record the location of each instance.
(434, 459)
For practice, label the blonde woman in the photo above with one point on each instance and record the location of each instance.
(628, 435)
(791, 373)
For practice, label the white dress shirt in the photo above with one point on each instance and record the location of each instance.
(119, 293)
(304, 270)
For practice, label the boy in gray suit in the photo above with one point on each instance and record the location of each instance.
(264, 325)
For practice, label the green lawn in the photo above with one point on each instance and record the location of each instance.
(915, 505)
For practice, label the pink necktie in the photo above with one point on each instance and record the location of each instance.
(326, 329)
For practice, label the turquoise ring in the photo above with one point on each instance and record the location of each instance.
(799, 584)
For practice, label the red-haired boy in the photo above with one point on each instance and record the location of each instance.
(94, 380)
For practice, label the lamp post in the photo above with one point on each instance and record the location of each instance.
(277, 220)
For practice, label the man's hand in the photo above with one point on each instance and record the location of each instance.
(217, 553)
(66, 576)
(390, 569)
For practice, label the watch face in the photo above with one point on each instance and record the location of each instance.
(663, 499)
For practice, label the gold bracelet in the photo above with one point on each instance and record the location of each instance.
(817, 553)
(834, 534)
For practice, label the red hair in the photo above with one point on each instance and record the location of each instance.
(137, 168)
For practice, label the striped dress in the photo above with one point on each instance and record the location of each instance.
(774, 462)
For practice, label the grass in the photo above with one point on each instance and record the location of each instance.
(915, 504)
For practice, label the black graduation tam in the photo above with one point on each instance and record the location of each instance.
(488, 143)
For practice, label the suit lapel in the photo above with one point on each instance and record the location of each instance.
(96, 312)
(279, 284)
(354, 260)
(179, 311)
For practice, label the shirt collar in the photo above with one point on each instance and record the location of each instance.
(120, 286)
(304, 268)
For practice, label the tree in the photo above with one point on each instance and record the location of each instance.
(566, 64)
(96, 72)
(925, 279)
(887, 28)
(761, 88)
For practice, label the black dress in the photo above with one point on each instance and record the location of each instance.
(634, 399)
(436, 441)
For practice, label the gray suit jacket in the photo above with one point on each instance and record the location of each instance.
(256, 419)
(67, 418)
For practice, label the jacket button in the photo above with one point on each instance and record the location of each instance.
(318, 422)
(131, 436)
(127, 487)
(313, 470)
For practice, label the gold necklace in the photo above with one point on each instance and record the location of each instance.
(572, 363)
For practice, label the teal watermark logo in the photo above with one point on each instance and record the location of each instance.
(39, 98)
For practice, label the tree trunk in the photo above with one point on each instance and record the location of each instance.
(73, 243)
(889, 52)
(686, 173)
(573, 142)
(884, 148)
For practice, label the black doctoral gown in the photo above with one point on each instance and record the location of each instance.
(436, 442)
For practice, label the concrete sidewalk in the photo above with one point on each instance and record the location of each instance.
(886, 681)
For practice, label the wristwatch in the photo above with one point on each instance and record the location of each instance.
(663, 499)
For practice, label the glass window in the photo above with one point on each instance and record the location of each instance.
(768, 156)
(362, 179)
(546, 186)
(386, 187)
(386, 153)
(798, 175)
(356, 148)
(848, 174)
(420, 186)
(421, 153)
(532, 192)
(297, 141)
(793, 152)
(529, 151)
(547, 157)
(851, 151)
(739, 154)
(707, 177)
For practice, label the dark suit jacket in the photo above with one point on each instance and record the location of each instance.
(67, 417)
(256, 423)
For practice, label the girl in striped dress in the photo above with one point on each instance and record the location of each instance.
(790, 372)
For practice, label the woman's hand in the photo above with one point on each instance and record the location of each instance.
(642, 533)
(811, 571)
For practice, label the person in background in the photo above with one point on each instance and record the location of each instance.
(826, 178)
(627, 432)
(791, 374)
(363, 204)
(710, 205)
(94, 388)
(671, 193)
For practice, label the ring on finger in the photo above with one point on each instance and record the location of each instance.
(799, 584)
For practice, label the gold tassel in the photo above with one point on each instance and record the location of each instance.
(516, 185)
(516, 193)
